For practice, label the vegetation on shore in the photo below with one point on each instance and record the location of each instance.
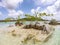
(54, 22)
(37, 16)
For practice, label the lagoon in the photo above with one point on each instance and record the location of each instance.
(4, 40)
(5, 24)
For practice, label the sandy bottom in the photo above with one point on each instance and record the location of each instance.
(18, 36)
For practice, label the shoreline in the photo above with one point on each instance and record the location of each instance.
(6, 37)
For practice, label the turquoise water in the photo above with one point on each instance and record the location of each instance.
(5, 24)
(55, 39)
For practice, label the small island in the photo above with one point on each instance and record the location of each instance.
(29, 22)
(30, 28)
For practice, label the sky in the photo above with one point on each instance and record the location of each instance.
(14, 8)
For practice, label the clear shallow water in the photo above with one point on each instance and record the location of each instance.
(54, 40)
(5, 24)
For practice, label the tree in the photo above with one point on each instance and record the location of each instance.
(27, 15)
(18, 18)
(18, 21)
(53, 22)
(9, 19)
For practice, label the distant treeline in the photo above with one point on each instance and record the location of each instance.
(24, 19)
(7, 21)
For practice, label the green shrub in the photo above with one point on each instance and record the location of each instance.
(53, 21)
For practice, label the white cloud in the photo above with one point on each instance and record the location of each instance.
(10, 4)
(13, 13)
(1, 5)
(32, 11)
(50, 9)
(54, 9)
(38, 8)
(35, 10)
(20, 12)
(44, 2)
(57, 16)
(45, 10)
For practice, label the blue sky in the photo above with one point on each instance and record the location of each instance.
(9, 8)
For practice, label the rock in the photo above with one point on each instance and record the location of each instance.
(18, 24)
(26, 27)
(46, 28)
